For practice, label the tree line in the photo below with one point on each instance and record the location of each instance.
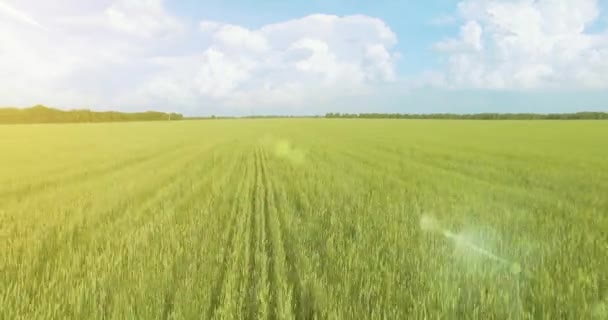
(42, 114)
(476, 116)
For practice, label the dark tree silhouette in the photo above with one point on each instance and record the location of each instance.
(42, 114)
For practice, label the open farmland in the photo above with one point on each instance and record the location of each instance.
(299, 219)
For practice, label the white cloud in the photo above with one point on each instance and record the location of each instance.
(131, 54)
(526, 44)
(77, 59)
(240, 38)
(282, 63)
(379, 63)
(219, 74)
(470, 39)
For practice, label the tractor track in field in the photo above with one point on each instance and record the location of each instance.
(268, 245)
(168, 304)
(218, 288)
(169, 297)
(251, 293)
(257, 192)
(301, 308)
(291, 276)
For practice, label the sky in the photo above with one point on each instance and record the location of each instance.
(237, 57)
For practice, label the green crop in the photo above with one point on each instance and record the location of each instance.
(303, 219)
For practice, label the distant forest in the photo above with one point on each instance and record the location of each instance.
(477, 116)
(42, 114)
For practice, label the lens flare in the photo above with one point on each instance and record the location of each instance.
(430, 224)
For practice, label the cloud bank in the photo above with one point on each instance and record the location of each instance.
(280, 64)
(136, 53)
(526, 44)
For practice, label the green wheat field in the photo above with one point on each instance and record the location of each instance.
(304, 219)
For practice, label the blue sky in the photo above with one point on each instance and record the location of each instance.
(307, 57)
